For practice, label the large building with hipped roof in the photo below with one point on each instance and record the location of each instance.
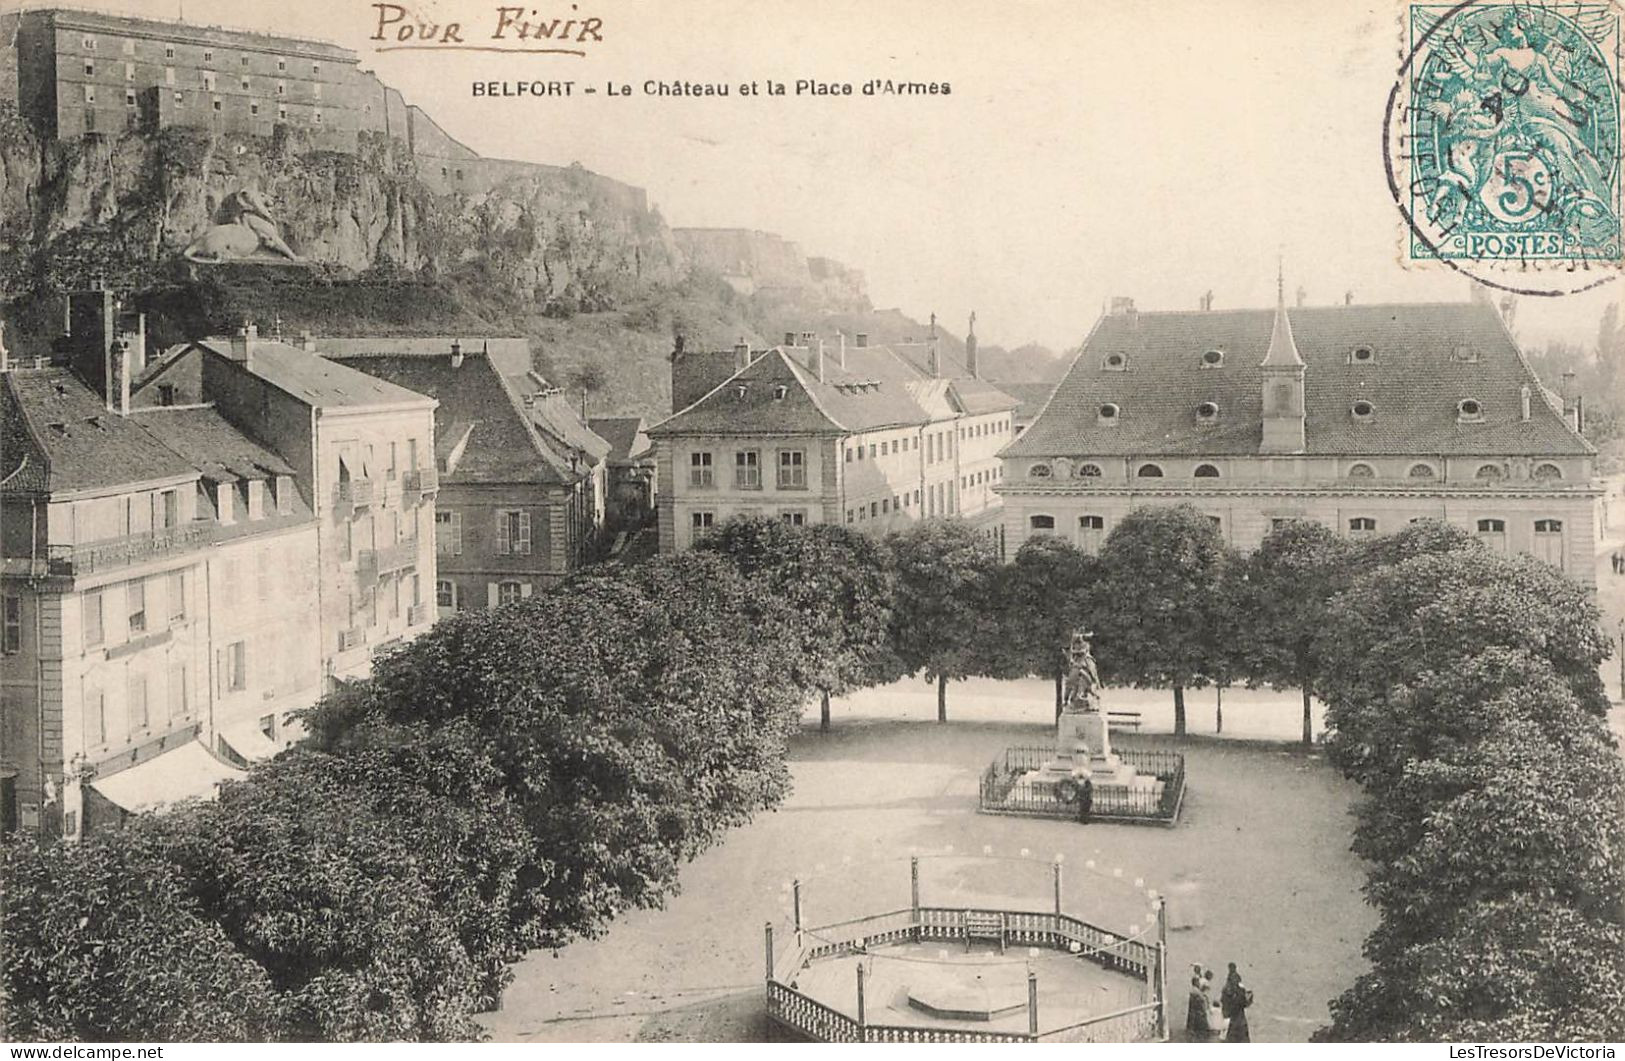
(1363, 418)
(813, 431)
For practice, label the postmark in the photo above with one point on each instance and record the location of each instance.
(1502, 142)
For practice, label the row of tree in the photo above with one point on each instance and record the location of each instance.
(511, 780)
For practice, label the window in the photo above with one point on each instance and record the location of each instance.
(1421, 471)
(1492, 526)
(885, 506)
(849, 454)
(243, 59)
(169, 51)
(508, 592)
(445, 594)
(1549, 541)
(89, 43)
(851, 516)
(136, 597)
(699, 470)
(282, 88)
(1465, 353)
(1546, 472)
(702, 521)
(234, 667)
(1088, 471)
(11, 640)
(90, 93)
(1362, 471)
(282, 113)
(216, 103)
(1362, 410)
(244, 83)
(253, 108)
(208, 55)
(316, 116)
(1213, 359)
(137, 701)
(1206, 471)
(1041, 471)
(448, 533)
(792, 469)
(93, 619)
(1362, 527)
(513, 532)
(1361, 355)
(1091, 533)
(1207, 412)
(1108, 413)
(90, 69)
(1490, 472)
(1042, 524)
(748, 470)
(175, 590)
(1149, 471)
(1468, 410)
(129, 71)
(315, 69)
(281, 64)
(1114, 363)
(208, 80)
(795, 517)
(179, 697)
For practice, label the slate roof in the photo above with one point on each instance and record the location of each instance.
(555, 417)
(211, 444)
(1414, 381)
(1029, 396)
(73, 442)
(624, 435)
(978, 397)
(475, 400)
(315, 380)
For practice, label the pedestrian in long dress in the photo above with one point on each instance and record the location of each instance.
(1197, 1027)
(1233, 1003)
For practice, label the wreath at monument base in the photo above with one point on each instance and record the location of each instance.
(1067, 790)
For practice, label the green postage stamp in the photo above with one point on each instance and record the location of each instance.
(1503, 141)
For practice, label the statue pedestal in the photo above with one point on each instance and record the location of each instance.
(1083, 749)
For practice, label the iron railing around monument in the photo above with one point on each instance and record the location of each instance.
(1006, 789)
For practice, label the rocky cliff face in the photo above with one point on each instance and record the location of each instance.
(119, 208)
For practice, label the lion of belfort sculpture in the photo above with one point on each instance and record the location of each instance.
(247, 232)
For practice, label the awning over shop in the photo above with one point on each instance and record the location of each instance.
(186, 772)
(248, 740)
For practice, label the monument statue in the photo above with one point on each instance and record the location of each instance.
(246, 232)
(1082, 680)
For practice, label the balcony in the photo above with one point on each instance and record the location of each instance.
(420, 482)
(110, 553)
(418, 615)
(398, 557)
(353, 493)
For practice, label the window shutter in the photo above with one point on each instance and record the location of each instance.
(502, 536)
(457, 534)
(522, 546)
(491, 594)
(524, 589)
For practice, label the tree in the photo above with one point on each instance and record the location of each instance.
(1285, 591)
(1422, 537)
(1038, 600)
(836, 582)
(104, 945)
(1159, 618)
(944, 580)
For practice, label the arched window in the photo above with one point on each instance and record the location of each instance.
(1114, 362)
(1213, 359)
(1042, 524)
(1421, 471)
(1087, 471)
(1108, 413)
(1207, 412)
(1546, 472)
(1362, 410)
(1040, 471)
(1206, 471)
(1469, 410)
(1362, 471)
(1491, 472)
(1149, 471)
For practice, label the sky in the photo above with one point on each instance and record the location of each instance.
(1155, 150)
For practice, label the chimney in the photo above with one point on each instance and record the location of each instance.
(1509, 309)
(818, 359)
(1206, 301)
(306, 340)
(789, 338)
(242, 344)
(933, 363)
(1121, 305)
(1348, 298)
(741, 354)
(1303, 296)
(456, 354)
(843, 349)
(970, 346)
(1523, 400)
(862, 340)
(118, 374)
(1580, 413)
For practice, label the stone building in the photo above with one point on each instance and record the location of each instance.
(812, 432)
(1362, 418)
(84, 72)
(513, 504)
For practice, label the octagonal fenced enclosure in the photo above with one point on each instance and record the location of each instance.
(942, 947)
(1006, 787)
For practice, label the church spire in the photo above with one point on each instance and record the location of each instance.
(1283, 371)
(1283, 349)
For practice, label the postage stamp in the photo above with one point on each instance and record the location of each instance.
(1503, 142)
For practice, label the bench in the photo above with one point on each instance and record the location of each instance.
(984, 924)
(1123, 719)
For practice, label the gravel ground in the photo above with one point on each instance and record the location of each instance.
(1258, 870)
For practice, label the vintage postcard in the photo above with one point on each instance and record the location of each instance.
(834, 521)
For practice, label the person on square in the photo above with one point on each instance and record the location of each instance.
(1197, 1026)
(1233, 1003)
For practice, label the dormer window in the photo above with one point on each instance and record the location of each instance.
(1108, 413)
(1114, 362)
(1362, 355)
(1207, 412)
(1041, 471)
(1363, 411)
(1468, 411)
(779, 392)
(1465, 353)
(739, 391)
(1213, 359)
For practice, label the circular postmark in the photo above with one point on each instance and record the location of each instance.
(1501, 143)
